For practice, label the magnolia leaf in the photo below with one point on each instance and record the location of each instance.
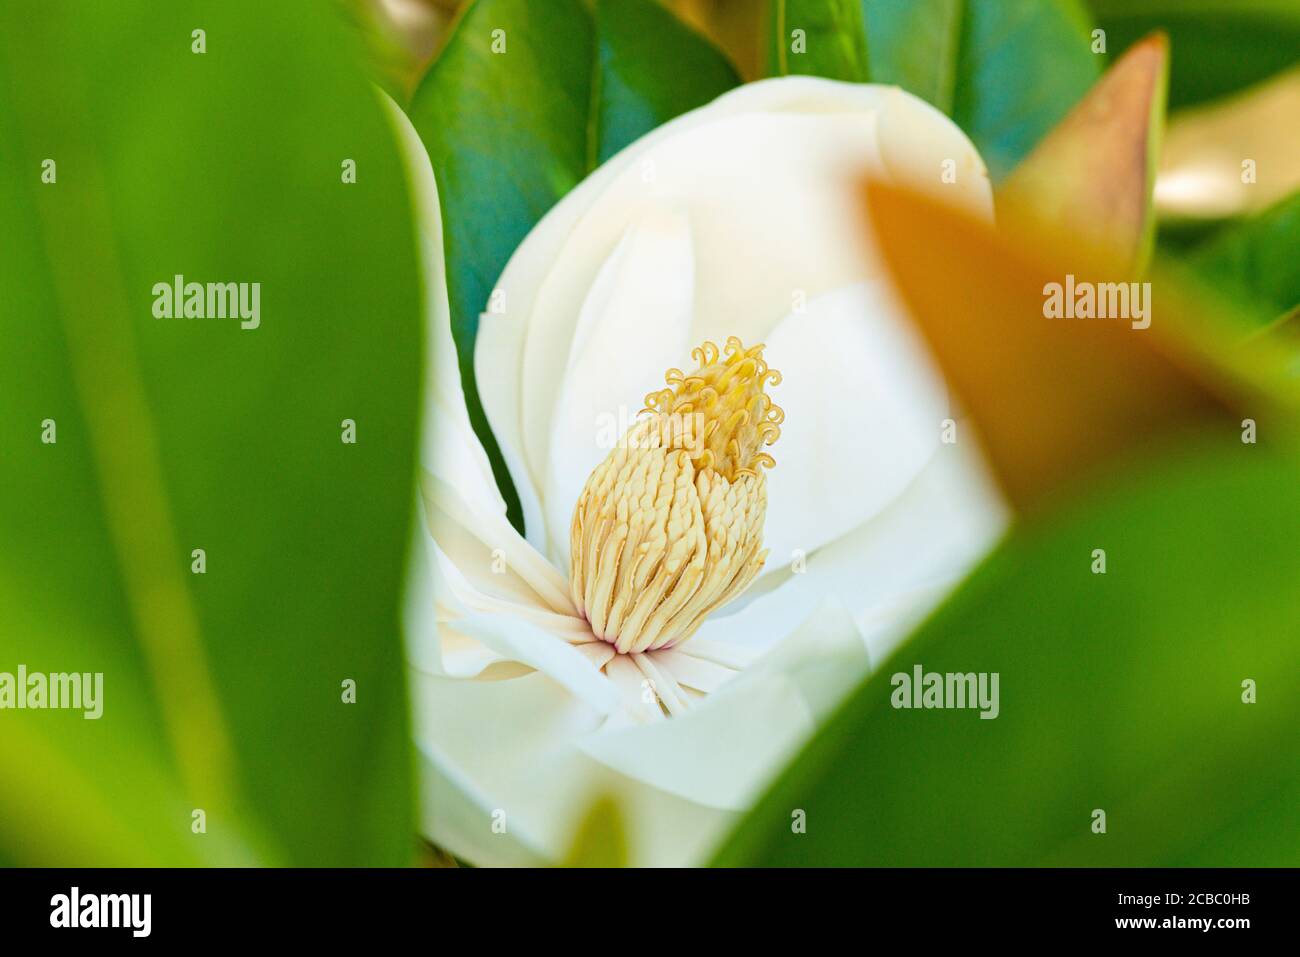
(1054, 398)
(1094, 173)
(915, 44)
(737, 28)
(1220, 46)
(1022, 65)
(652, 68)
(1258, 257)
(820, 38)
(1284, 334)
(194, 524)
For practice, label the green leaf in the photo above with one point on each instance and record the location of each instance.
(818, 38)
(1256, 257)
(1120, 691)
(1005, 70)
(1022, 65)
(915, 44)
(1219, 46)
(221, 691)
(510, 132)
(652, 68)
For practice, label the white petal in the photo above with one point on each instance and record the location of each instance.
(517, 640)
(489, 552)
(431, 644)
(921, 147)
(895, 568)
(446, 615)
(726, 749)
(638, 699)
(597, 652)
(634, 324)
(863, 412)
(758, 624)
(693, 671)
(663, 685)
(509, 748)
(459, 597)
(502, 335)
(449, 448)
(824, 658)
(457, 816)
(766, 198)
(718, 754)
(497, 746)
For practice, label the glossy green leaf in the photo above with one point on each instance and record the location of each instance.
(222, 691)
(652, 68)
(1219, 46)
(818, 38)
(524, 101)
(1256, 258)
(1120, 691)
(1022, 65)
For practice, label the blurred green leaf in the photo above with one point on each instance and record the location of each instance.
(1005, 70)
(736, 26)
(1256, 258)
(512, 131)
(1219, 46)
(1284, 334)
(818, 38)
(915, 44)
(222, 691)
(1119, 691)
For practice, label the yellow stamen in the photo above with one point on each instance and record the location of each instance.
(728, 391)
(670, 526)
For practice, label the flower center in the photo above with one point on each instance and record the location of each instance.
(669, 527)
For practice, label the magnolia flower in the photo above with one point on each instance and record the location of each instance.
(688, 599)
